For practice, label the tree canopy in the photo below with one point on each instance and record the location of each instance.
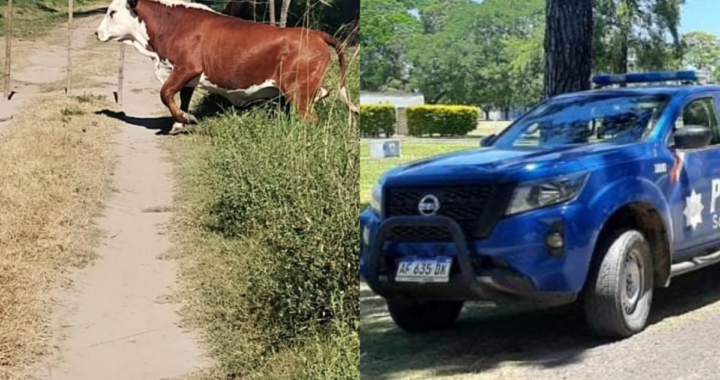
(336, 17)
(636, 35)
(455, 51)
(388, 29)
(702, 51)
(491, 53)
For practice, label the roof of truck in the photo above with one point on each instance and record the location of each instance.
(649, 90)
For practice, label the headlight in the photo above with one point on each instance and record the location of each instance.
(376, 199)
(529, 196)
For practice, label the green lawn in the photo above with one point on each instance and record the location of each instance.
(411, 150)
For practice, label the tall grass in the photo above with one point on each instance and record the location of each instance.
(268, 232)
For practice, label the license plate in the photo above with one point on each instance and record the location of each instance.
(416, 269)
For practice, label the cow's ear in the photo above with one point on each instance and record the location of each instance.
(132, 4)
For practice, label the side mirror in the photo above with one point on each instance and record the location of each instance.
(487, 140)
(692, 137)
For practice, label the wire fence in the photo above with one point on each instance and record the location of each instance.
(8, 50)
(71, 29)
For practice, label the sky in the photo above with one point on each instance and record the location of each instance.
(696, 15)
(700, 15)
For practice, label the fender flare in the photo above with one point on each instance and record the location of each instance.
(625, 192)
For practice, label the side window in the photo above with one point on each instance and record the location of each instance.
(700, 112)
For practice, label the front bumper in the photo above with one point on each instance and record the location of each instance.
(468, 280)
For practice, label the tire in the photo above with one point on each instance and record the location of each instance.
(426, 316)
(619, 292)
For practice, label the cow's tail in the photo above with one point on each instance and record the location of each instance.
(344, 97)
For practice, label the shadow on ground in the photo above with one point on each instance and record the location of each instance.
(488, 337)
(161, 124)
(213, 105)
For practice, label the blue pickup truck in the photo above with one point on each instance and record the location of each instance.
(594, 197)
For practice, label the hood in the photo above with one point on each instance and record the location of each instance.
(512, 164)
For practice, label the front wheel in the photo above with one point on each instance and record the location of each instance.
(426, 316)
(619, 292)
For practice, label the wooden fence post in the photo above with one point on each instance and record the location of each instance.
(8, 42)
(271, 10)
(69, 48)
(121, 75)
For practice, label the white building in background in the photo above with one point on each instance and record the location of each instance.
(407, 100)
(402, 101)
(398, 100)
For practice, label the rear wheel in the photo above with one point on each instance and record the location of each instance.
(619, 292)
(425, 316)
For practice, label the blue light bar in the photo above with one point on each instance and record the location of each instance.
(684, 76)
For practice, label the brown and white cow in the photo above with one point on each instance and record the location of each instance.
(193, 46)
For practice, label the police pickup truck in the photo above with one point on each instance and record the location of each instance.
(597, 197)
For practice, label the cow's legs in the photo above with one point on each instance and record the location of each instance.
(177, 80)
(322, 93)
(304, 106)
(186, 94)
(302, 100)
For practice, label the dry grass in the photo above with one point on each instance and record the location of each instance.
(55, 166)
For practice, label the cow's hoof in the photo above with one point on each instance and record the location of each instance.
(177, 128)
(322, 94)
(190, 118)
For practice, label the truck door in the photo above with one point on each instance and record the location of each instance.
(695, 198)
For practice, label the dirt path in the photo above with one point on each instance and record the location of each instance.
(119, 321)
(681, 341)
(40, 62)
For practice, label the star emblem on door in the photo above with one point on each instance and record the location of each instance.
(693, 210)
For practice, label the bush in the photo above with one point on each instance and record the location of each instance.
(376, 119)
(290, 188)
(270, 222)
(442, 120)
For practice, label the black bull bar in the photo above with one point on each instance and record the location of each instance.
(502, 285)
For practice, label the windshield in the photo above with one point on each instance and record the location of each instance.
(587, 119)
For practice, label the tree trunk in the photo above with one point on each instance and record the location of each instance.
(622, 59)
(284, 12)
(271, 10)
(437, 98)
(568, 46)
(622, 64)
(626, 21)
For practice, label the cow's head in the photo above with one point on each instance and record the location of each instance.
(121, 23)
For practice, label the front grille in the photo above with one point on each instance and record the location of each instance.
(468, 205)
(421, 233)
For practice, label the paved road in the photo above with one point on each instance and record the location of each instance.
(682, 342)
